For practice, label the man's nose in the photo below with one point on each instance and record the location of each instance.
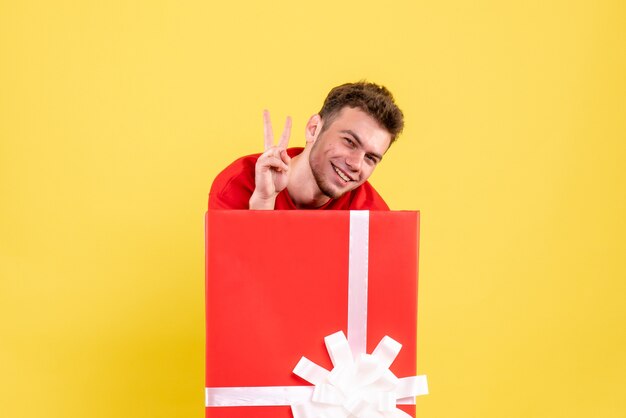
(354, 160)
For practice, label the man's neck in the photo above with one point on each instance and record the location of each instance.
(302, 187)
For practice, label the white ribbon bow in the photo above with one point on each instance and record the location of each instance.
(363, 387)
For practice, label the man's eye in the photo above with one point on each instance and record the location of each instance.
(349, 141)
(371, 158)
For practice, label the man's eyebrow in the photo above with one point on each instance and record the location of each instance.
(351, 132)
(357, 139)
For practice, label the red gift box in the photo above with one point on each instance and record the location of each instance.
(278, 282)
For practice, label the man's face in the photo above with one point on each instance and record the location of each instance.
(346, 153)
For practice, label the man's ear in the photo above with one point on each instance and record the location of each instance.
(313, 128)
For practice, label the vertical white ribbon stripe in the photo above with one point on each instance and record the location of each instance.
(357, 280)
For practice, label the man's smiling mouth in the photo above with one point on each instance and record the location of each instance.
(341, 174)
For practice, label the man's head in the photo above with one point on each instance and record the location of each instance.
(357, 124)
(371, 98)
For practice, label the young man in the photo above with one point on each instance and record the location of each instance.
(345, 142)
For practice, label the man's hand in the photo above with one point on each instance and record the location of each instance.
(271, 173)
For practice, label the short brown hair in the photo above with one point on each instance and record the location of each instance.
(371, 98)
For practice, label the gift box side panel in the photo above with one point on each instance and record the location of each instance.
(311, 298)
(392, 293)
(272, 293)
(206, 295)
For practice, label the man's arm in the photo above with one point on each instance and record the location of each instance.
(271, 173)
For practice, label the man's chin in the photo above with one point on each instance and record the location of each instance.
(330, 189)
(333, 192)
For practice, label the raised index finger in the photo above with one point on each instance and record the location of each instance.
(267, 130)
(284, 138)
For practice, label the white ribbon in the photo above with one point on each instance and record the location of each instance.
(357, 280)
(360, 384)
(363, 387)
(257, 395)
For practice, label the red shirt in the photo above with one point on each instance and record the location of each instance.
(233, 187)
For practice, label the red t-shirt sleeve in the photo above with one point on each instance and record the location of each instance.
(233, 187)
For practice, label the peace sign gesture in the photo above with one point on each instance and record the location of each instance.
(271, 174)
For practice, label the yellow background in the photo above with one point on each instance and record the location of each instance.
(115, 116)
